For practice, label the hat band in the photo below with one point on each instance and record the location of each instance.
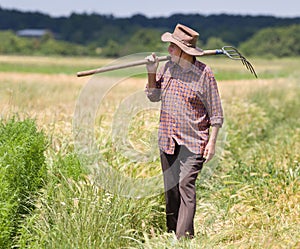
(184, 42)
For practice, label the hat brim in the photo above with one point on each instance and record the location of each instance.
(167, 37)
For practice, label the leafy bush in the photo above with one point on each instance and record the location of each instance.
(22, 173)
(46, 45)
(278, 42)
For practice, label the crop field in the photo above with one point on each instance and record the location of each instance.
(247, 197)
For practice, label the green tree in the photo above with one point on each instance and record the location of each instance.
(47, 36)
(112, 49)
(214, 42)
(278, 42)
(144, 40)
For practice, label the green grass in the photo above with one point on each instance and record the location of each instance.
(224, 68)
(49, 65)
(33, 68)
(250, 201)
(255, 196)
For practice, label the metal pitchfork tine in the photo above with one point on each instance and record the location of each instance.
(229, 51)
(234, 54)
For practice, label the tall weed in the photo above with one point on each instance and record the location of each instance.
(22, 173)
(82, 215)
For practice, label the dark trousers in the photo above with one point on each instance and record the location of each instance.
(180, 173)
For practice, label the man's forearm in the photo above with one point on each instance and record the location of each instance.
(153, 90)
(214, 133)
(209, 151)
(151, 80)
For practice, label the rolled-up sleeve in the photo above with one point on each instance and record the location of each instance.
(153, 94)
(213, 100)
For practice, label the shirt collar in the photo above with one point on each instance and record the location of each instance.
(195, 68)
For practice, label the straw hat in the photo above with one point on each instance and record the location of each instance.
(185, 38)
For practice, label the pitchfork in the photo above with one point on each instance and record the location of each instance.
(233, 54)
(229, 51)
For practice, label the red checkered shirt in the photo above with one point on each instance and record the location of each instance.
(190, 104)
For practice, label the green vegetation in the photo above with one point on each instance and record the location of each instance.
(46, 45)
(50, 64)
(274, 42)
(48, 196)
(251, 199)
(224, 68)
(270, 42)
(101, 29)
(101, 35)
(22, 174)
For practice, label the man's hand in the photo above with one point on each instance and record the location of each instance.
(209, 151)
(210, 148)
(152, 64)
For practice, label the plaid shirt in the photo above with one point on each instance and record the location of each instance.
(190, 104)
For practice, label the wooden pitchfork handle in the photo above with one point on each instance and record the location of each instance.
(111, 68)
(229, 51)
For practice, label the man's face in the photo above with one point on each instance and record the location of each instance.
(174, 51)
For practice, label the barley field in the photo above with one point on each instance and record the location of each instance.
(248, 196)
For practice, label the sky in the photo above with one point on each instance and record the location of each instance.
(157, 8)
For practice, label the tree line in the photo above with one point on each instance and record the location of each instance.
(106, 35)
